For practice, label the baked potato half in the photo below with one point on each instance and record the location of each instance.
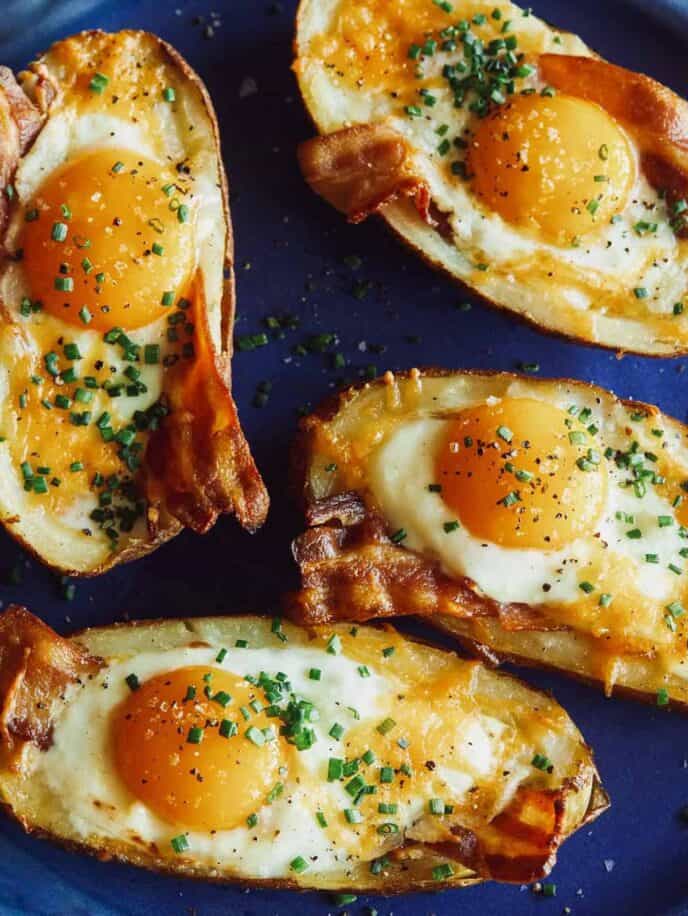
(152, 743)
(117, 422)
(543, 521)
(458, 123)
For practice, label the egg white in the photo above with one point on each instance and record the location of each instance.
(404, 465)
(77, 772)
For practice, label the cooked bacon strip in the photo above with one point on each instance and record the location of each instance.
(520, 845)
(351, 570)
(656, 116)
(360, 169)
(20, 122)
(346, 508)
(36, 665)
(517, 846)
(198, 462)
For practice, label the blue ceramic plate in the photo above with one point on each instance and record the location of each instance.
(291, 251)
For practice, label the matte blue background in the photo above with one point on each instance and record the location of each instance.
(289, 253)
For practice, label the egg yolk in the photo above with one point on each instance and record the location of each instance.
(171, 752)
(522, 473)
(559, 166)
(108, 241)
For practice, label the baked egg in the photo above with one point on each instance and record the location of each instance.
(117, 424)
(545, 520)
(248, 749)
(551, 182)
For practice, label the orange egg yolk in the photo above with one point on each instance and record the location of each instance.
(171, 753)
(109, 233)
(522, 473)
(559, 166)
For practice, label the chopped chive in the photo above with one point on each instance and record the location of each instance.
(255, 736)
(195, 735)
(335, 769)
(222, 698)
(540, 762)
(274, 793)
(151, 354)
(355, 786)
(436, 806)
(388, 808)
(228, 728)
(334, 645)
(59, 232)
(98, 83)
(386, 726)
(442, 872)
(179, 843)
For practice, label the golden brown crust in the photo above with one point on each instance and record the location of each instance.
(229, 292)
(20, 122)
(493, 658)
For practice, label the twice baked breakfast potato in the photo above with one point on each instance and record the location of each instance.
(117, 423)
(503, 151)
(245, 749)
(537, 520)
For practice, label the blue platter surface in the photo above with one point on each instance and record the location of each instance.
(294, 254)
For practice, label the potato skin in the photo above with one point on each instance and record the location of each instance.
(475, 622)
(580, 799)
(255, 506)
(411, 226)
